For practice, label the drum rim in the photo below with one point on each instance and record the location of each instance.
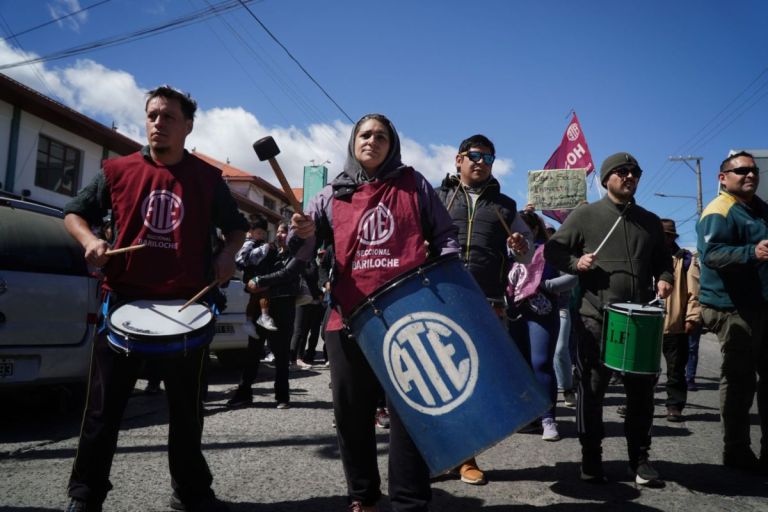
(133, 336)
(386, 287)
(644, 309)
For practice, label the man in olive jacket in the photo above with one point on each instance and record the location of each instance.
(633, 256)
(474, 200)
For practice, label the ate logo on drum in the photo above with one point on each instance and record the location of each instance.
(163, 211)
(431, 361)
(376, 225)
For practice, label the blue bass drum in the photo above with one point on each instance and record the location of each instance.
(446, 362)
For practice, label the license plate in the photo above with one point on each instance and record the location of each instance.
(6, 368)
(225, 329)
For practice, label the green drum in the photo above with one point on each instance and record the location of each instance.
(632, 335)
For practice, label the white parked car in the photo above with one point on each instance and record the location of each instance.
(48, 298)
(230, 339)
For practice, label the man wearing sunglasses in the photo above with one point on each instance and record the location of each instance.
(484, 216)
(631, 259)
(733, 247)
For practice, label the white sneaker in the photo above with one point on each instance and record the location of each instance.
(250, 330)
(303, 365)
(550, 430)
(267, 322)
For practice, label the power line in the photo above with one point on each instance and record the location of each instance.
(296, 61)
(708, 132)
(26, 31)
(177, 23)
(285, 85)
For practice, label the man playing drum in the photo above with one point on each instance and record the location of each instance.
(733, 245)
(169, 201)
(474, 200)
(631, 258)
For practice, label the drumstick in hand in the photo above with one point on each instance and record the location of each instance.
(503, 222)
(111, 252)
(199, 294)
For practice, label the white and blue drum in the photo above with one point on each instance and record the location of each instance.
(446, 363)
(156, 328)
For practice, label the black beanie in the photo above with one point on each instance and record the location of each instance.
(614, 161)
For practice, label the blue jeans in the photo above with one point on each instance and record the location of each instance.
(536, 336)
(693, 355)
(563, 366)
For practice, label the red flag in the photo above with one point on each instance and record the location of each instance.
(572, 153)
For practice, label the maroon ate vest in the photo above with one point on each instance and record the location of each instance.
(168, 209)
(377, 237)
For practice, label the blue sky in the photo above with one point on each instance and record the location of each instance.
(653, 78)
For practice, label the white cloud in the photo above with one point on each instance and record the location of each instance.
(110, 95)
(61, 8)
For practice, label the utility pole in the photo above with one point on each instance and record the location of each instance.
(697, 171)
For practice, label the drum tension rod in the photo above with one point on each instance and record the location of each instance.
(376, 311)
(424, 278)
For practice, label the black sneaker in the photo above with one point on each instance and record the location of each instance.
(592, 467)
(241, 397)
(622, 411)
(208, 504)
(82, 506)
(745, 460)
(645, 474)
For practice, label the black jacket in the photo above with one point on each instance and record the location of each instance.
(482, 237)
(280, 272)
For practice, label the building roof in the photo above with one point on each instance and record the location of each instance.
(29, 100)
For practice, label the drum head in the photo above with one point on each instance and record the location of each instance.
(159, 318)
(635, 309)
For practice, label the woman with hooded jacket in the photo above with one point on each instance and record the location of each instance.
(375, 185)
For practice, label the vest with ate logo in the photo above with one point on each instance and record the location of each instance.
(168, 209)
(377, 237)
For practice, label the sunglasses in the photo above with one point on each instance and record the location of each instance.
(476, 156)
(743, 171)
(623, 172)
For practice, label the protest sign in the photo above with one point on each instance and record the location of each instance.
(557, 189)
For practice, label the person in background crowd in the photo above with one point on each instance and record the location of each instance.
(733, 246)
(693, 351)
(630, 260)
(683, 317)
(248, 258)
(374, 179)
(279, 273)
(483, 215)
(176, 263)
(534, 321)
(306, 327)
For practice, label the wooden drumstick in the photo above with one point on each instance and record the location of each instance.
(503, 222)
(199, 294)
(112, 252)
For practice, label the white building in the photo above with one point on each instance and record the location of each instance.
(47, 150)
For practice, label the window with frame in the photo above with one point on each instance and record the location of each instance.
(269, 203)
(58, 166)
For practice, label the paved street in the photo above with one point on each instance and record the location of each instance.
(264, 459)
